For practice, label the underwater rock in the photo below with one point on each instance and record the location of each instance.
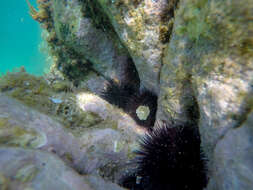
(143, 27)
(104, 146)
(232, 164)
(83, 47)
(206, 78)
(42, 95)
(102, 36)
(34, 169)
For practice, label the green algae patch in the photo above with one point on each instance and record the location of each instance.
(4, 182)
(222, 25)
(27, 173)
(211, 37)
(68, 157)
(196, 23)
(95, 122)
(31, 90)
(108, 124)
(80, 121)
(56, 99)
(61, 86)
(14, 135)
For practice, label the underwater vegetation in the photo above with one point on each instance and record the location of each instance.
(169, 158)
(43, 13)
(56, 99)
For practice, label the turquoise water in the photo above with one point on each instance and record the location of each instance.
(20, 39)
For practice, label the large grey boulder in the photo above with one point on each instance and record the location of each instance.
(207, 78)
(232, 163)
(76, 30)
(34, 169)
(101, 149)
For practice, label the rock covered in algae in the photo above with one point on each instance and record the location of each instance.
(103, 140)
(82, 46)
(104, 35)
(144, 26)
(232, 158)
(11, 134)
(34, 169)
(206, 78)
(56, 99)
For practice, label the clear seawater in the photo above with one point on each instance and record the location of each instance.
(20, 39)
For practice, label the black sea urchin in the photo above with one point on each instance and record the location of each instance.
(170, 158)
(117, 93)
(146, 99)
(126, 96)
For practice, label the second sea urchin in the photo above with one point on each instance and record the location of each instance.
(117, 93)
(170, 158)
(143, 99)
(125, 96)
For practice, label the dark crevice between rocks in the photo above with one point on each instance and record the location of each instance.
(166, 26)
(126, 71)
(189, 102)
(128, 74)
(167, 20)
(92, 9)
(71, 64)
(136, 3)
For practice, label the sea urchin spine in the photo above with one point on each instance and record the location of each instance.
(170, 158)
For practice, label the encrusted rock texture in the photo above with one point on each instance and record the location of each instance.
(196, 55)
(94, 139)
(207, 76)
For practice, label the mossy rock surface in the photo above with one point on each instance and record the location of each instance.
(106, 136)
(206, 79)
(34, 169)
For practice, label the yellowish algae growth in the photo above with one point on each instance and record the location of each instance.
(14, 135)
(143, 112)
(210, 38)
(27, 173)
(197, 23)
(31, 90)
(4, 182)
(68, 156)
(129, 18)
(56, 99)
(131, 148)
